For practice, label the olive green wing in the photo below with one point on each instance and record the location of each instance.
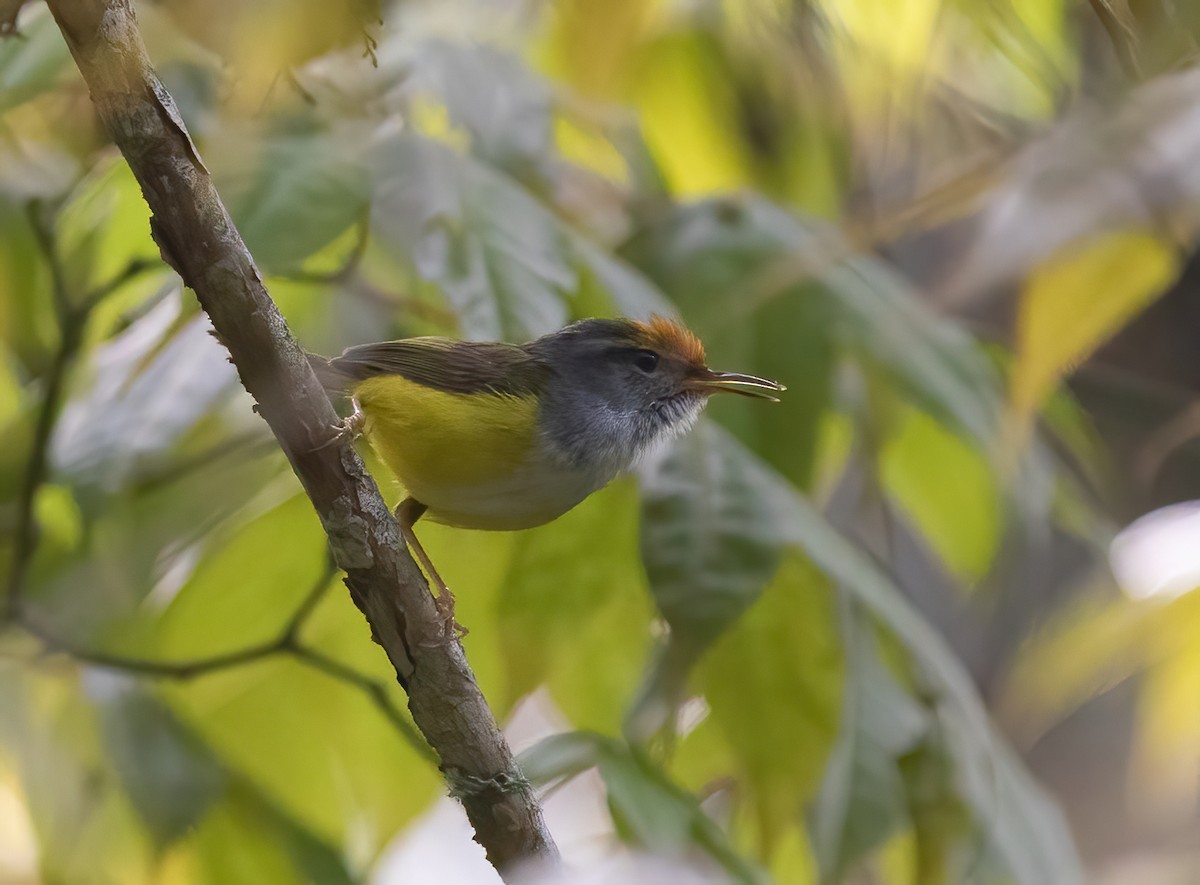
(440, 363)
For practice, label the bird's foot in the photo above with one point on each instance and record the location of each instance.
(349, 428)
(452, 630)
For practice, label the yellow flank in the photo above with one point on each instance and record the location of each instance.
(438, 442)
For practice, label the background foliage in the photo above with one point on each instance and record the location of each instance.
(783, 645)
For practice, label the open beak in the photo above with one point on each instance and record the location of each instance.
(735, 382)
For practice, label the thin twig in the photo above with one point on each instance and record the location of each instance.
(72, 320)
(188, 669)
(43, 235)
(286, 643)
(252, 444)
(184, 670)
(291, 630)
(375, 690)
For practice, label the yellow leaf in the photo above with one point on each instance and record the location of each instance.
(687, 107)
(1075, 301)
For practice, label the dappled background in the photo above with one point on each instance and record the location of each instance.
(880, 632)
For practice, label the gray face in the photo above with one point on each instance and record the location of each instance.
(608, 400)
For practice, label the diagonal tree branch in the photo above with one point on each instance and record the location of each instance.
(197, 238)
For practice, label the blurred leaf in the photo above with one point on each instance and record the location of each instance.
(1096, 173)
(1073, 302)
(701, 252)
(1019, 823)
(862, 800)
(32, 62)
(133, 413)
(58, 518)
(499, 257)
(280, 850)
(948, 490)
(710, 542)
(561, 756)
(275, 546)
(1091, 648)
(291, 193)
(507, 265)
(592, 47)
(31, 170)
(315, 747)
(102, 228)
(573, 595)
(630, 293)
(773, 683)
(504, 107)
(48, 733)
(648, 810)
(169, 775)
(686, 99)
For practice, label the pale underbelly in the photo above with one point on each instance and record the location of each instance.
(528, 496)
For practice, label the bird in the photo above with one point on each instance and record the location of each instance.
(503, 437)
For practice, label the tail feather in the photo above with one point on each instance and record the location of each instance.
(333, 379)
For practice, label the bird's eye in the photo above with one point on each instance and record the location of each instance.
(646, 360)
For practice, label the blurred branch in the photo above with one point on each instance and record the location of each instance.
(375, 690)
(1121, 34)
(182, 670)
(197, 238)
(1164, 441)
(286, 643)
(249, 444)
(72, 319)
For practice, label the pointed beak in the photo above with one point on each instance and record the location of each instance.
(709, 381)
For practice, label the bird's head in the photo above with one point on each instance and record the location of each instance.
(648, 379)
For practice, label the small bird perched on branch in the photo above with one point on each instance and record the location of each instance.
(505, 436)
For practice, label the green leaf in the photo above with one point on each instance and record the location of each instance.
(510, 268)
(50, 747)
(773, 684)
(168, 774)
(862, 799)
(506, 109)
(1020, 824)
(498, 255)
(699, 253)
(102, 228)
(574, 595)
(710, 542)
(246, 839)
(317, 747)
(275, 546)
(561, 756)
(32, 62)
(143, 399)
(949, 491)
(31, 170)
(709, 546)
(629, 292)
(648, 810)
(291, 193)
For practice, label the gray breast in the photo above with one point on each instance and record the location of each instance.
(590, 435)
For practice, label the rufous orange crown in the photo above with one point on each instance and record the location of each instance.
(668, 336)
